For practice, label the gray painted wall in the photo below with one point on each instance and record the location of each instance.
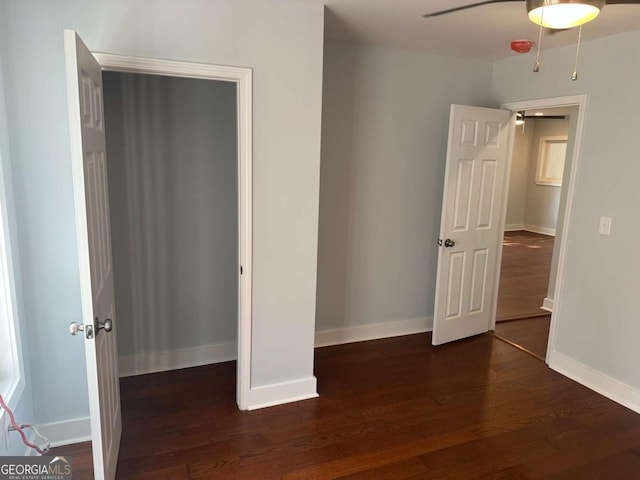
(529, 203)
(282, 42)
(519, 176)
(573, 128)
(172, 163)
(22, 407)
(598, 315)
(385, 123)
(543, 200)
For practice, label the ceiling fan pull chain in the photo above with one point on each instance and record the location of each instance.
(536, 67)
(574, 76)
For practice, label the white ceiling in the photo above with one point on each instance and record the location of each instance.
(483, 32)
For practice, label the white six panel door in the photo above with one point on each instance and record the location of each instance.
(472, 203)
(84, 89)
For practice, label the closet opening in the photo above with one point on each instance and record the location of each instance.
(179, 182)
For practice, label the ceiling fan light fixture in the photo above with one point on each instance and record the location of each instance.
(563, 13)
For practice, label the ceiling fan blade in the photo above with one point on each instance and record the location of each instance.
(553, 31)
(622, 2)
(465, 7)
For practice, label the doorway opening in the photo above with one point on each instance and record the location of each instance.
(173, 190)
(239, 79)
(541, 181)
(88, 152)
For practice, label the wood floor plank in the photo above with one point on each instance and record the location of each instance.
(621, 466)
(483, 458)
(510, 473)
(532, 334)
(599, 449)
(524, 274)
(395, 408)
(401, 470)
(378, 458)
(174, 472)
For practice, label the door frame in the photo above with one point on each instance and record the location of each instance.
(579, 101)
(243, 78)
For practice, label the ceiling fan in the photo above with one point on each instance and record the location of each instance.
(554, 14)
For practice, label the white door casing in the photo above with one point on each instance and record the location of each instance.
(579, 101)
(88, 159)
(243, 78)
(475, 179)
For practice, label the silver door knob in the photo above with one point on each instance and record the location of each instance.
(107, 325)
(74, 328)
(449, 243)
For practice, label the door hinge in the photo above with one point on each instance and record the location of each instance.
(240, 269)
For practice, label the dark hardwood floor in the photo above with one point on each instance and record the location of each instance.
(388, 409)
(531, 334)
(524, 279)
(524, 275)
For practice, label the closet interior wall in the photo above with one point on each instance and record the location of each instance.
(173, 190)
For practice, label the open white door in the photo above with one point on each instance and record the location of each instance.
(470, 229)
(88, 152)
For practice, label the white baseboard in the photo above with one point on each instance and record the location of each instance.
(609, 387)
(542, 230)
(547, 304)
(513, 227)
(192, 357)
(153, 362)
(67, 432)
(279, 393)
(374, 331)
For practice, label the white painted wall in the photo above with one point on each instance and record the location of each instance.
(172, 163)
(598, 313)
(385, 121)
(282, 41)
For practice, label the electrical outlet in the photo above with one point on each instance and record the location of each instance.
(604, 227)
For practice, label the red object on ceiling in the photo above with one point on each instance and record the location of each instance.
(521, 46)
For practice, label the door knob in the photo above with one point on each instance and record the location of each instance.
(107, 325)
(74, 328)
(449, 243)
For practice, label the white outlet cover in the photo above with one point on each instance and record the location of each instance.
(604, 228)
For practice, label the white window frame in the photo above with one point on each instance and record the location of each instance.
(12, 381)
(544, 157)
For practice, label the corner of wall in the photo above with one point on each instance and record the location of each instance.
(281, 393)
(597, 381)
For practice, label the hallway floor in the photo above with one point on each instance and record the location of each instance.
(524, 274)
(531, 334)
